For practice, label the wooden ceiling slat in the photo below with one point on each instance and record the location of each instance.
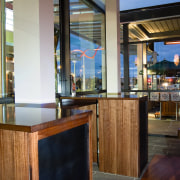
(158, 26)
(165, 25)
(170, 25)
(150, 27)
(154, 27)
(145, 27)
(161, 26)
(175, 24)
(178, 20)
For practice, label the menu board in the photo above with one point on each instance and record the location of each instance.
(154, 96)
(175, 96)
(164, 96)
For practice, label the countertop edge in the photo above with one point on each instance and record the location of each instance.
(35, 128)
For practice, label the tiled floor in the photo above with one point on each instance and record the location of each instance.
(166, 126)
(107, 176)
(157, 144)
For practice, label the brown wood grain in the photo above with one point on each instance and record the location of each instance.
(61, 128)
(94, 128)
(90, 148)
(14, 155)
(119, 132)
(108, 116)
(33, 125)
(33, 156)
(128, 135)
(168, 109)
(163, 168)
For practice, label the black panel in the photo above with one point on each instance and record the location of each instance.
(65, 156)
(143, 134)
(64, 19)
(126, 56)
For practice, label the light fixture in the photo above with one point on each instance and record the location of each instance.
(176, 59)
(171, 42)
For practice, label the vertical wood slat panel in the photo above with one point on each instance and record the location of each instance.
(128, 136)
(14, 161)
(94, 129)
(109, 113)
(90, 147)
(119, 136)
(33, 156)
(103, 106)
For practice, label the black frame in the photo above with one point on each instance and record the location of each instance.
(64, 34)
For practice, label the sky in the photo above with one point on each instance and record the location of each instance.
(133, 4)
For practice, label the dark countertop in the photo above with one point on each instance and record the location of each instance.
(104, 95)
(77, 101)
(30, 119)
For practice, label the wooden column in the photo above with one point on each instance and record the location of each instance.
(122, 136)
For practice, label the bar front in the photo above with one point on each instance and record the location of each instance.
(42, 143)
(122, 131)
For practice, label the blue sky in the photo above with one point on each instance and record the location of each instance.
(133, 4)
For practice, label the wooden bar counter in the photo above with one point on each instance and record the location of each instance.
(42, 143)
(123, 133)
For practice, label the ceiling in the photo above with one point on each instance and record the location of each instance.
(155, 30)
(145, 24)
(151, 24)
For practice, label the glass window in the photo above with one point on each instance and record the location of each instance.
(57, 47)
(87, 47)
(164, 69)
(9, 47)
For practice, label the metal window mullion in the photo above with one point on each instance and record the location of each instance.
(64, 19)
(3, 45)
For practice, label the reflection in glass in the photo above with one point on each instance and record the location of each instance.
(57, 47)
(9, 47)
(87, 46)
(164, 70)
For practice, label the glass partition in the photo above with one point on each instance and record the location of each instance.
(9, 48)
(87, 47)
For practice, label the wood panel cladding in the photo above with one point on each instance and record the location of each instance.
(92, 107)
(168, 108)
(14, 161)
(119, 136)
